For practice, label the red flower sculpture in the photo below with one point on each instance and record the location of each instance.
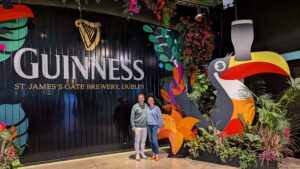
(133, 6)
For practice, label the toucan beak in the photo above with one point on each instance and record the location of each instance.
(261, 62)
(16, 12)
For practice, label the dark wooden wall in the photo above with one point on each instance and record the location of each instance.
(68, 123)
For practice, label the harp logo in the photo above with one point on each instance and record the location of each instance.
(90, 33)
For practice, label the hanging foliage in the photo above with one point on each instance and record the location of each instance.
(163, 9)
(9, 151)
(131, 7)
(202, 94)
(196, 43)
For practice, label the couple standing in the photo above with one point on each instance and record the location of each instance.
(145, 118)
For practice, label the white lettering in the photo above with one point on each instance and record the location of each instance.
(138, 69)
(117, 70)
(101, 70)
(126, 69)
(112, 69)
(46, 68)
(66, 67)
(82, 68)
(17, 64)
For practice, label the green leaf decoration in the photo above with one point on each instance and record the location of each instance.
(13, 45)
(18, 23)
(16, 34)
(169, 67)
(147, 28)
(153, 39)
(166, 18)
(241, 118)
(164, 31)
(158, 48)
(4, 56)
(169, 42)
(164, 58)
(174, 51)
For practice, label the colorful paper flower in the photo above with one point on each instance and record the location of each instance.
(177, 129)
(286, 133)
(133, 6)
(164, 10)
(2, 47)
(235, 126)
(11, 152)
(2, 126)
(176, 87)
(13, 132)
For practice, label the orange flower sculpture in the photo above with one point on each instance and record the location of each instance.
(176, 87)
(12, 131)
(177, 129)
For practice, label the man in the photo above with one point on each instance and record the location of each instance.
(138, 119)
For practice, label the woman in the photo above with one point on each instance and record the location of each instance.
(154, 122)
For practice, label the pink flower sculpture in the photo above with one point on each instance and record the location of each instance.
(2, 47)
(133, 6)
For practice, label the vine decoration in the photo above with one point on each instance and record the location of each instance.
(165, 44)
(166, 47)
(196, 43)
(131, 7)
(163, 9)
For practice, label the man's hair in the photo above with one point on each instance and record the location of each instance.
(141, 94)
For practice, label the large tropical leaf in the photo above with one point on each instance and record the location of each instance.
(176, 92)
(176, 75)
(165, 95)
(168, 107)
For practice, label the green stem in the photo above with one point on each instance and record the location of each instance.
(166, 18)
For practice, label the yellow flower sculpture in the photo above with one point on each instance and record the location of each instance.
(177, 129)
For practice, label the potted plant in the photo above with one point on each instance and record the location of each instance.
(262, 145)
(9, 151)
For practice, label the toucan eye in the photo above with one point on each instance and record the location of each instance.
(220, 66)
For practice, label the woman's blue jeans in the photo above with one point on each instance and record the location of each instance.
(152, 133)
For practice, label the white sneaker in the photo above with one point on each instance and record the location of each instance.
(144, 156)
(137, 157)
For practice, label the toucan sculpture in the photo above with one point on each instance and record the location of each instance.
(8, 11)
(13, 28)
(227, 74)
(13, 32)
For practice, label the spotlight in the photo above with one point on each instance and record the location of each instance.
(43, 35)
(228, 4)
(199, 15)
